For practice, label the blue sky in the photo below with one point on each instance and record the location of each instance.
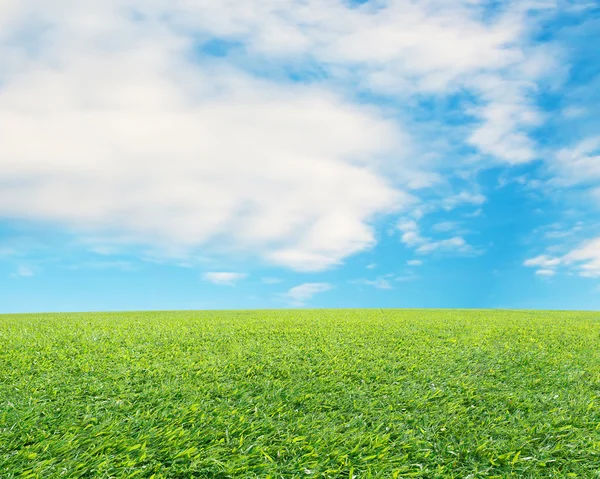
(224, 155)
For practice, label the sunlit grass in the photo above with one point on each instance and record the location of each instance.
(286, 394)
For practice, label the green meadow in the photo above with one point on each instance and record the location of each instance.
(300, 394)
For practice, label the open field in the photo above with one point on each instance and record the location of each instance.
(300, 394)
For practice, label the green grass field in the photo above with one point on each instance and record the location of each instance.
(300, 394)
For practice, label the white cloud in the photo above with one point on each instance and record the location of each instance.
(410, 233)
(412, 238)
(543, 260)
(223, 278)
(302, 293)
(558, 231)
(380, 282)
(395, 46)
(545, 272)
(405, 278)
(478, 212)
(445, 226)
(505, 120)
(269, 280)
(547, 264)
(275, 184)
(456, 244)
(136, 141)
(371, 266)
(574, 112)
(285, 171)
(577, 165)
(23, 272)
(406, 226)
(557, 234)
(414, 262)
(462, 198)
(585, 259)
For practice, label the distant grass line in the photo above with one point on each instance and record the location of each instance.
(300, 394)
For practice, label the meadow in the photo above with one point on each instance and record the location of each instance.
(300, 394)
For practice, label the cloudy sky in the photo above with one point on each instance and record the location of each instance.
(274, 153)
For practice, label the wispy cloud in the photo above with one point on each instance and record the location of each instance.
(544, 261)
(101, 265)
(445, 226)
(584, 259)
(414, 262)
(455, 244)
(406, 277)
(461, 199)
(23, 272)
(474, 214)
(577, 165)
(223, 278)
(381, 282)
(545, 272)
(304, 292)
(411, 237)
(556, 232)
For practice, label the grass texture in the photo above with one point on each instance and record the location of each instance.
(300, 394)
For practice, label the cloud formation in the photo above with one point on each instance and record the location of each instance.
(463, 198)
(143, 134)
(223, 278)
(579, 164)
(412, 238)
(304, 292)
(584, 259)
(381, 282)
(167, 152)
(545, 272)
